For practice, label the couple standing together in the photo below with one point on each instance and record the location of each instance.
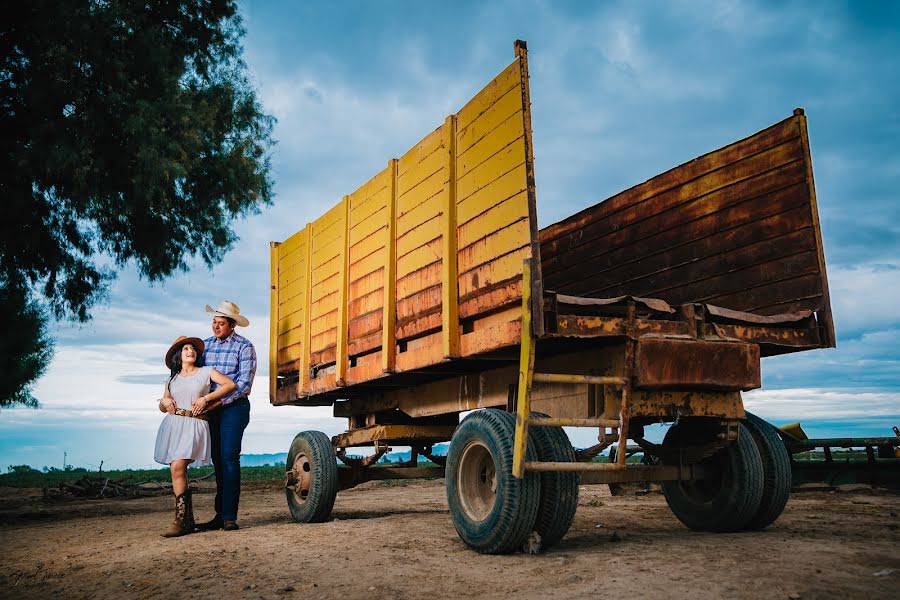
(207, 404)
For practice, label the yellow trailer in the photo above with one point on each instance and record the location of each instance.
(430, 291)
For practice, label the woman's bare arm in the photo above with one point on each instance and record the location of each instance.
(226, 386)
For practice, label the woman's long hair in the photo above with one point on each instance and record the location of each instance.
(175, 366)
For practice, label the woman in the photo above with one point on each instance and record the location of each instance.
(183, 435)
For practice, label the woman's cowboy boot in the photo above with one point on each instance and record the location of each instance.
(179, 525)
(189, 521)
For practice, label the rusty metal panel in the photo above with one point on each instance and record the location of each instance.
(737, 228)
(674, 364)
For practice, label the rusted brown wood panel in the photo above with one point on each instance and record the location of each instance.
(764, 299)
(777, 191)
(364, 325)
(772, 136)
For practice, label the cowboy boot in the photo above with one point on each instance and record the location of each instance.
(189, 520)
(179, 525)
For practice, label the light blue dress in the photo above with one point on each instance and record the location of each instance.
(185, 437)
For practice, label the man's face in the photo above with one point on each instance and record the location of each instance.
(221, 327)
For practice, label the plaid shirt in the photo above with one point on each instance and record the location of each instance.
(235, 358)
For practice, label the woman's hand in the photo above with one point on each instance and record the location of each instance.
(167, 405)
(199, 405)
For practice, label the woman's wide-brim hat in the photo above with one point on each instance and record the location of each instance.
(229, 310)
(197, 343)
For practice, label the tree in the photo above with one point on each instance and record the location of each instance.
(130, 133)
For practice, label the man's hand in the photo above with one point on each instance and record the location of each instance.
(167, 405)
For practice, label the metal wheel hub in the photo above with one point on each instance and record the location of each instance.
(477, 481)
(299, 477)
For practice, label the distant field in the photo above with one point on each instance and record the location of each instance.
(53, 478)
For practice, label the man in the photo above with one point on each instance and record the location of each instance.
(233, 356)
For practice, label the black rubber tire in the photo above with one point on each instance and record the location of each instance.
(316, 447)
(559, 490)
(777, 480)
(723, 503)
(504, 517)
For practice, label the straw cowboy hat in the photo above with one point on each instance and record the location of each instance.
(197, 343)
(229, 310)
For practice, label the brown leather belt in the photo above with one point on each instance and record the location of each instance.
(181, 412)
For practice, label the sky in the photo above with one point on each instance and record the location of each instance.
(621, 91)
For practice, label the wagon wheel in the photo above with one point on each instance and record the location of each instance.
(777, 478)
(559, 490)
(311, 481)
(730, 496)
(493, 512)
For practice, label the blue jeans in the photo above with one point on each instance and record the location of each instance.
(226, 430)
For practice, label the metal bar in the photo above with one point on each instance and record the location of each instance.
(340, 371)
(450, 287)
(389, 316)
(623, 429)
(645, 473)
(571, 422)
(273, 321)
(569, 467)
(526, 370)
(588, 379)
(304, 350)
(843, 442)
(381, 473)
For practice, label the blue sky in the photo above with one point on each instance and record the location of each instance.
(621, 91)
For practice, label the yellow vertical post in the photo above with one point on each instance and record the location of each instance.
(389, 316)
(526, 371)
(273, 322)
(340, 371)
(304, 350)
(450, 286)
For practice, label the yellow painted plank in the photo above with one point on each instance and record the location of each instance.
(289, 338)
(504, 161)
(324, 272)
(425, 148)
(341, 356)
(331, 216)
(496, 244)
(325, 340)
(367, 246)
(327, 287)
(420, 236)
(501, 137)
(367, 303)
(297, 303)
(500, 269)
(286, 322)
(372, 229)
(504, 187)
(290, 259)
(325, 250)
(291, 274)
(422, 192)
(372, 205)
(417, 281)
(418, 258)
(510, 77)
(295, 242)
(324, 322)
(304, 354)
(507, 106)
(416, 174)
(367, 264)
(495, 219)
(288, 355)
(425, 211)
(366, 284)
(369, 189)
(291, 290)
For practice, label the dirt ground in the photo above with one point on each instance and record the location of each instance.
(397, 541)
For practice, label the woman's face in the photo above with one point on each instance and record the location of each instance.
(188, 355)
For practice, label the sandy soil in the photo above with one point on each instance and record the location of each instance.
(397, 541)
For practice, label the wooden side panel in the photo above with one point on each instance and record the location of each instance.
(329, 234)
(736, 228)
(290, 272)
(370, 214)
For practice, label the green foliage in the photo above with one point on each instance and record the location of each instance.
(52, 477)
(25, 347)
(131, 134)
